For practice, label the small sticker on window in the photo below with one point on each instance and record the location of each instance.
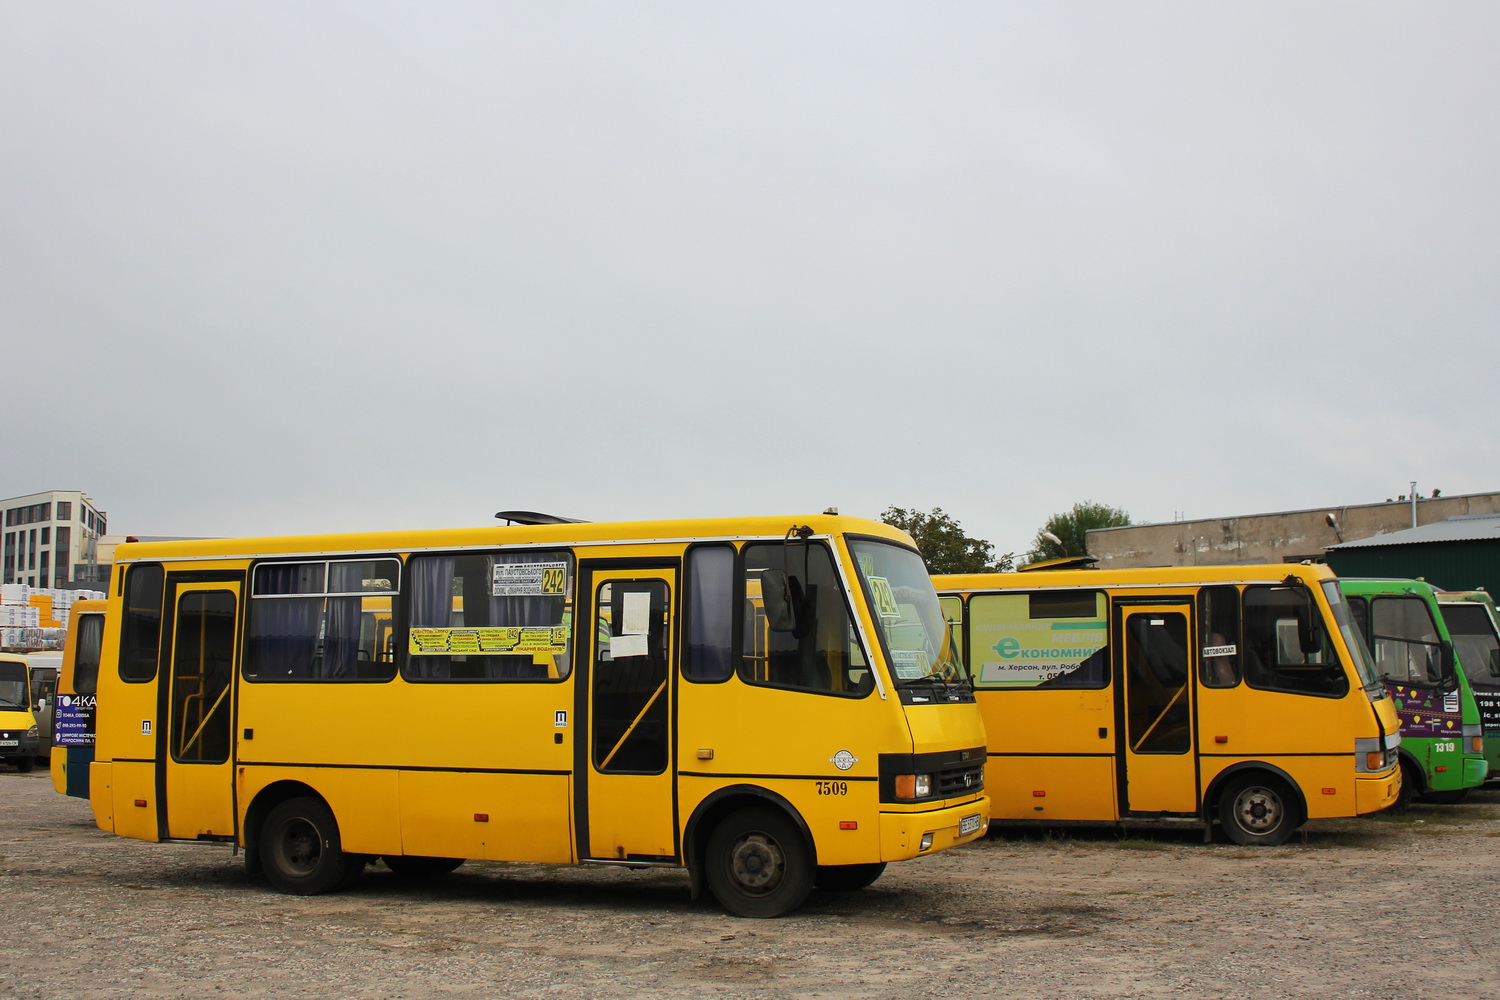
(885, 598)
(475, 641)
(546, 579)
(910, 664)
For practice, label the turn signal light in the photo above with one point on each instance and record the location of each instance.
(913, 786)
(1476, 744)
(848, 824)
(1373, 761)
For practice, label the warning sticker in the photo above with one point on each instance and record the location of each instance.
(546, 579)
(910, 664)
(477, 641)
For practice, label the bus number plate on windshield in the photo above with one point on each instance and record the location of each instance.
(968, 825)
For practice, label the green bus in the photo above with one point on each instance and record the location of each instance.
(1471, 619)
(1441, 741)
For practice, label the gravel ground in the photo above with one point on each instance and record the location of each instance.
(1384, 908)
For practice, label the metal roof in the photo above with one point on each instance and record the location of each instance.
(1462, 528)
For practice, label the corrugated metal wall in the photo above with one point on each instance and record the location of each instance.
(1450, 565)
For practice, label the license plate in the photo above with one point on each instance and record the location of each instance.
(10, 743)
(968, 825)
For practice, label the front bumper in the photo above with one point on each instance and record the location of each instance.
(1377, 792)
(1476, 769)
(902, 834)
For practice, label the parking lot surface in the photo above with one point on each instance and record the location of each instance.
(1382, 908)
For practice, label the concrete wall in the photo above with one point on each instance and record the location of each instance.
(1290, 536)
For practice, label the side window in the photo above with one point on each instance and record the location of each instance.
(1405, 641)
(1286, 643)
(86, 653)
(709, 607)
(796, 627)
(488, 616)
(308, 620)
(140, 628)
(1219, 636)
(1044, 640)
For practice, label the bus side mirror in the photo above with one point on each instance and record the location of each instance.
(1309, 635)
(776, 599)
(1446, 659)
(1495, 663)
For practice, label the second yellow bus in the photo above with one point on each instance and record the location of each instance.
(1240, 696)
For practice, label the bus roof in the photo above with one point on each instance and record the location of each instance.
(1095, 579)
(697, 529)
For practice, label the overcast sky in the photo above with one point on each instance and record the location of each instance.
(275, 267)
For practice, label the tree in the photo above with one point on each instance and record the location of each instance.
(945, 547)
(1071, 528)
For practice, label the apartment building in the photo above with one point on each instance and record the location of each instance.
(51, 540)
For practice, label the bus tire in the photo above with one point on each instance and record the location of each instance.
(300, 851)
(847, 878)
(416, 866)
(757, 864)
(1258, 810)
(1450, 798)
(25, 764)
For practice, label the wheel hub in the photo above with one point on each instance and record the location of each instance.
(756, 863)
(1258, 809)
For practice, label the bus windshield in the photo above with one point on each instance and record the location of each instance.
(1364, 663)
(1475, 641)
(13, 685)
(922, 647)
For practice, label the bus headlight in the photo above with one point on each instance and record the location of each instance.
(32, 733)
(1370, 756)
(913, 786)
(1474, 738)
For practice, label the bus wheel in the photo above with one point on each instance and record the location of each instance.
(300, 852)
(847, 878)
(1257, 811)
(25, 764)
(415, 866)
(1451, 798)
(757, 864)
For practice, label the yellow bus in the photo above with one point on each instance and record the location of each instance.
(72, 749)
(771, 703)
(1237, 695)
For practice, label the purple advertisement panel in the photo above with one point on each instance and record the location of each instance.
(73, 720)
(1427, 712)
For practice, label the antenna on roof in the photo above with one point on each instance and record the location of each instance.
(533, 517)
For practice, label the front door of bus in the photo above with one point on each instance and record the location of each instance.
(625, 774)
(199, 774)
(1160, 768)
